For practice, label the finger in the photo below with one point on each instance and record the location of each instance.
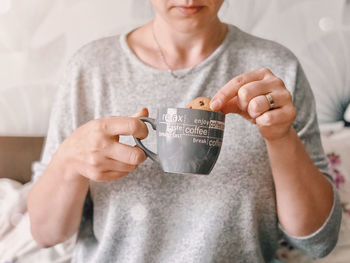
(124, 126)
(107, 176)
(141, 113)
(253, 89)
(124, 153)
(112, 176)
(102, 162)
(230, 90)
(118, 166)
(278, 116)
(260, 104)
(232, 107)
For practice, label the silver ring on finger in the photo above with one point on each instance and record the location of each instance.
(270, 100)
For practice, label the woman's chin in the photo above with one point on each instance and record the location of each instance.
(191, 22)
(187, 26)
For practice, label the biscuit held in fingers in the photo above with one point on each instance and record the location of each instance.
(200, 103)
(260, 97)
(231, 88)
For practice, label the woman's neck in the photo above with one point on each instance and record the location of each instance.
(184, 49)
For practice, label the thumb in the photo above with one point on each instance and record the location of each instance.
(141, 113)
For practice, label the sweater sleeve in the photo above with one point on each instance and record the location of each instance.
(321, 242)
(63, 116)
(69, 111)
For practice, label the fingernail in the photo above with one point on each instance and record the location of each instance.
(214, 105)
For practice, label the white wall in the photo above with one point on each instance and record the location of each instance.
(318, 32)
(38, 36)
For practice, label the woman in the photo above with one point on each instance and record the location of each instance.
(270, 180)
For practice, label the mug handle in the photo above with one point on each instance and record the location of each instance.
(138, 142)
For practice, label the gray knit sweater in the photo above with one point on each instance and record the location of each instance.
(151, 216)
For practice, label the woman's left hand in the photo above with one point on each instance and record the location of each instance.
(260, 97)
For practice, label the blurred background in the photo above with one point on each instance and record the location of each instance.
(37, 38)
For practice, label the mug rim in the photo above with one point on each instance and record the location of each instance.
(181, 108)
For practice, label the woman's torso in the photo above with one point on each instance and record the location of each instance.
(151, 216)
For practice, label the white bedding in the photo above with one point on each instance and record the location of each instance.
(16, 242)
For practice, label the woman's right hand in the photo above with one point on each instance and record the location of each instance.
(94, 151)
(91, 152)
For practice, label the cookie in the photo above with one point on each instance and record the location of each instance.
(200, 103)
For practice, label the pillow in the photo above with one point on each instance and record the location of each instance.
(347, 114)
